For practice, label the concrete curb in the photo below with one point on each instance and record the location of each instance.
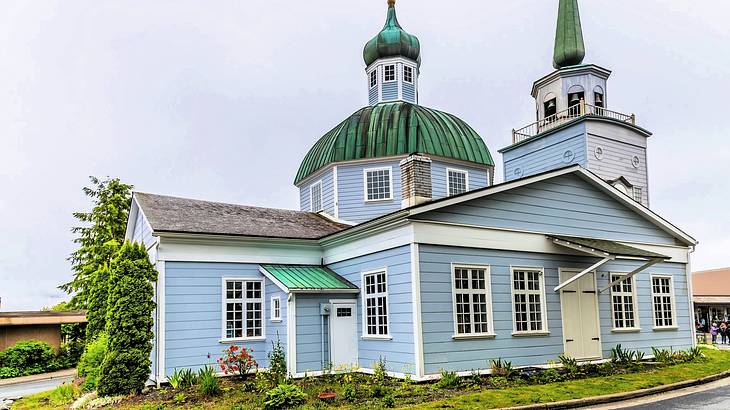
(617, 397)
(37, 377)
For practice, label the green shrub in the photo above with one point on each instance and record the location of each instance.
(91, 361)
(129, 322)
(28, 357)
(448, 380)
(64, 394)
(549, 376)
(349, 393)
(277, 362)
(284, 396)
(388, 401)
(380, 373)
(208, 382)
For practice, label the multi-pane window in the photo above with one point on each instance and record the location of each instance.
(243, 309)
(623, 303)
(376, 304)
(637, 194)
(528, 300)
(471, 300)
(458, 181)
(377, 184)
(408, 74)
(315, 197)
(389, 73)
(275, 308)
(373, 78)
(661, 293)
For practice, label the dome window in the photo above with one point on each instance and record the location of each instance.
(373, 78)
(390, 72)
(378, 184)
(408, 74)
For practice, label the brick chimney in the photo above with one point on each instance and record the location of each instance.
(415, 174)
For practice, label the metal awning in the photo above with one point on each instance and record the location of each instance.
(607, 251)
(307, 279)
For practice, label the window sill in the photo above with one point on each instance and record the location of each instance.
(383, 337)
(529, 334)
(376, 201)
(663, 328)
(475, 336)
(242, 339)
(276, 320)
(626, 330)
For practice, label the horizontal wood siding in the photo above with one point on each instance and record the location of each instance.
(398, 352)
(390, 91)
(441, 351)
(546, 153)
(564, 205)
(373, 95)
(312, 332)
(351, 191)
(616, 162)
(477, 177)
(193, 313)
(328, 197)
(409, 92)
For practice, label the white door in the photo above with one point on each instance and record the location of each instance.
(343, 335)
(579, 305)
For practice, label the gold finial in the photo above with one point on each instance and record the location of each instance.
(391, 3)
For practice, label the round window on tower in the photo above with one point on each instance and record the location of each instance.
(598, 152)
(635, 161)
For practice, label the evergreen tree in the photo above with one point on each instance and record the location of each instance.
(129, 322)
(100, 232)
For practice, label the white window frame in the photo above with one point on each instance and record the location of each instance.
(487, 291)
(373, 75)
(224, 337)
(405, 79)
(364, 297)
(448, 182)
(385, 73)
(311, 197)
(543, 302)
(635, 306)
(390, 183)
(275, 311)
(672, 300)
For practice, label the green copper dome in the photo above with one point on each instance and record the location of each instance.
(392, 41)
(397, 128)
(569, 47)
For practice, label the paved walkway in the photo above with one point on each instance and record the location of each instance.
(23, 386)
(711, 396)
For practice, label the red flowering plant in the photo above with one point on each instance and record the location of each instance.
(237, 360)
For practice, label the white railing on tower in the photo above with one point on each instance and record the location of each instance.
(579, 110)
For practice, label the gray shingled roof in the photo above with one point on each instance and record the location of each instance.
(173, 214)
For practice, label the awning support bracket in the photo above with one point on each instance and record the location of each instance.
(584, 272)
(648, 263)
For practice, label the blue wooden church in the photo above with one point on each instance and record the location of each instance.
(404, 248)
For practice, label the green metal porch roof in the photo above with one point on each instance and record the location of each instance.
(392, 129)
(308, 278)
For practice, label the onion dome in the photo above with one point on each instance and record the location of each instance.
(392, 41)
(392, 129)
(569, 47)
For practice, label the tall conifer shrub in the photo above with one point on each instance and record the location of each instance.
(129, 322)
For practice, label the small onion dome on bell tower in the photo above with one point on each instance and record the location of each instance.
(569, 47)
(392, 41)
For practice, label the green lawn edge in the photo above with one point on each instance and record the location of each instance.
(716, 362)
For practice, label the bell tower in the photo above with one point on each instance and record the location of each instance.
(574, 124)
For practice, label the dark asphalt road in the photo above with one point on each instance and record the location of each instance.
(714, 399)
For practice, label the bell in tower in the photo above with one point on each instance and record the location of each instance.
(574, 124)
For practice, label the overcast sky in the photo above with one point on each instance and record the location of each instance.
(220, 100)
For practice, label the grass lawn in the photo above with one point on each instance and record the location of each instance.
(473, 392)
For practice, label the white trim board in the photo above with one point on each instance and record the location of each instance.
(416, 307)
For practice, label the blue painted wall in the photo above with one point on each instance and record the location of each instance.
(390, 90)
(564, 205)
(442, 352)
(351, 190)
(142, 232)
(398, 352)
(546, 153)
(477, 177)
(372, 94)
(328, 197)
(409, 92)
(312, 332)
(193, 303)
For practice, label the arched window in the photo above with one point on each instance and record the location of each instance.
(575, 95)
(598, 98)
(550, 105)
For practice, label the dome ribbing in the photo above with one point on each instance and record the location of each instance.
(392, 41)
(392, 129)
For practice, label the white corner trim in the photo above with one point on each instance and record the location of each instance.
(690, 296)
(417, 317)
(161, 308)
(291, 333)
(336, 193)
